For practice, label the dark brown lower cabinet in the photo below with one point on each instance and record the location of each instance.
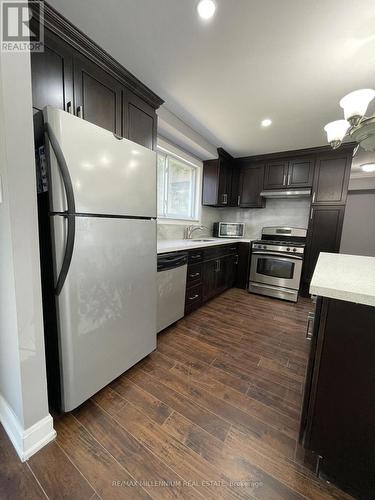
(211, 271)
(324, 235)
(338, 419)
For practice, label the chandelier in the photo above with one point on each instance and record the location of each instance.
(360, 128)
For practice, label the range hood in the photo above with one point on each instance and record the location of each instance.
(286, 193)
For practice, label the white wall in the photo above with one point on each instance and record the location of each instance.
(23, 386)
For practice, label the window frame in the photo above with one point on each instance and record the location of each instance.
(174, 152)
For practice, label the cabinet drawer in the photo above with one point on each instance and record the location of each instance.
(193, 298)
(220, 251)
(195, 256)
(194, 274)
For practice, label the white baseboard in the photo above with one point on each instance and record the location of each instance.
(26, 441)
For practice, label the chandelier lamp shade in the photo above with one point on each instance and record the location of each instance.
(356, 125)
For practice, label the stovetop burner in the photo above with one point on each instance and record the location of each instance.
(280, 243)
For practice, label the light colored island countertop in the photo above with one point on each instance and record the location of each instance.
(345, 277)
(165, 246)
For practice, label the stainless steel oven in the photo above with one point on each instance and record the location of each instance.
(276, 266)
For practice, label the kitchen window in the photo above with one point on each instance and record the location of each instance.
(178, 187)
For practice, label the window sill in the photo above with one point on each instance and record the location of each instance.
(177, 222)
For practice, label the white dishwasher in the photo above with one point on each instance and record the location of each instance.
(172, 270)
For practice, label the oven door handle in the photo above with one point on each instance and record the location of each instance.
(277, 254)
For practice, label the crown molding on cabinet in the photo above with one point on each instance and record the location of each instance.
(59, 25)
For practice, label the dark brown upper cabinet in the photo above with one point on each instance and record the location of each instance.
(276, 174)
(300, 172)
(52, 74)
(76, 75)
(286, 173)
(139, 120)
(331, 178)
(217, 182)
(250, 186)
(97, 95)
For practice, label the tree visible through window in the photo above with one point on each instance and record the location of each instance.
(177, 183)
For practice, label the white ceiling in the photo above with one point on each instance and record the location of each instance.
(289, 60)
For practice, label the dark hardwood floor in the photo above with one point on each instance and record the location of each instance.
(213, 413)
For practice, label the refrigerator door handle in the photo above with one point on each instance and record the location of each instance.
(68, 254)
(71, 209)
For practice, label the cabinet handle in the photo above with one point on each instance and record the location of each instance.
(236, 261)
(217, 268)
(284, 180)
(239, 200)
(225, 199)
(194, 275)
(69, 107)
(313, 198)
(311, 215)
(194, 297)
(310, 326)
(80, 111)
(196, 256)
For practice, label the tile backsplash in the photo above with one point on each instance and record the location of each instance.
(277, 212)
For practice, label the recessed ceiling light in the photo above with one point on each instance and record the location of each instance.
(368, 167)
(206, 9)
(266, 122)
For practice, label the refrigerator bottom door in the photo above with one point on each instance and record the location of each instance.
(107, 306)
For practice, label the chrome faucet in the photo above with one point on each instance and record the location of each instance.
(189, 230)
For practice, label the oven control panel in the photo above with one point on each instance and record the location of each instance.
(278, 248)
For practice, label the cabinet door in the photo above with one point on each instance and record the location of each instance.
(234, 187)
(276, 173)
(251, 184)
(300, 172)
(216, 185)
(139, 120)
(331, 179)
(52, 74)
(231, 270)
(97, 95)
(210, 272)
(324, 235)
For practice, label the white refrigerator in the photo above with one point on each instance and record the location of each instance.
(103, 220)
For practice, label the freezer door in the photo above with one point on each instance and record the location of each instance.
(107, 306)
(109, 176)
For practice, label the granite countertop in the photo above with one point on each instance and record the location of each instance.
(165, 246)
(345, 277)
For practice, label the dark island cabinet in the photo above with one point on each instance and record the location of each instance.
(331, 178)
(338, 417)
(289, 173)
(76, 75)
(250, 185)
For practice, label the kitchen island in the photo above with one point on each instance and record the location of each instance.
(338, 417)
